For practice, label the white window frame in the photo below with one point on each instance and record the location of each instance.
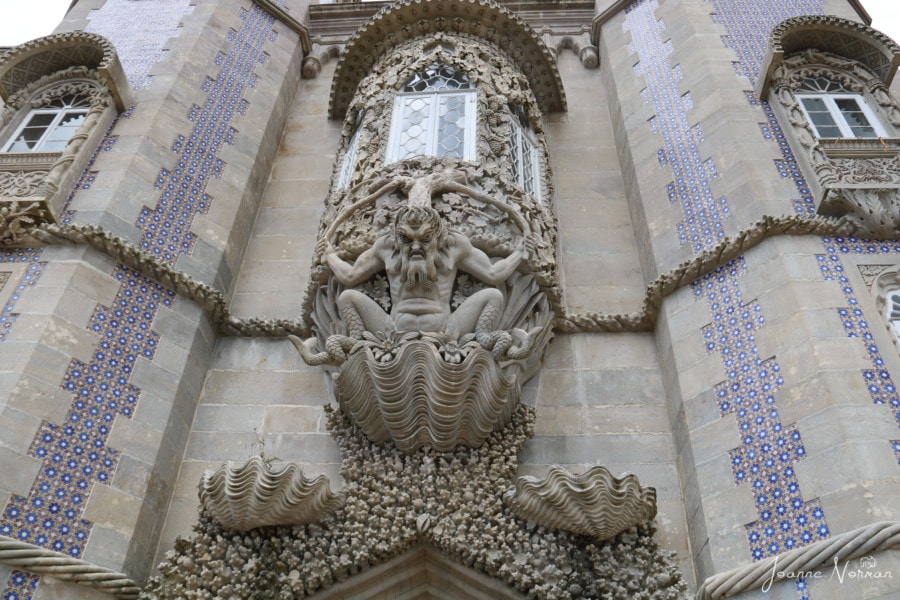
(432, 120)
(525, 156)
(838, 116)
(59, 114)
(892, 310)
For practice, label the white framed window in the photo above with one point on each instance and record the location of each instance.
(835, 112)
(892, 310)
(49, 129)
(525, 155)
(434, 115)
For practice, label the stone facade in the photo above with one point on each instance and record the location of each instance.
(668, 370)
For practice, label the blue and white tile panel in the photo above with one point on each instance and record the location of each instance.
(765, 460)
(74, 453)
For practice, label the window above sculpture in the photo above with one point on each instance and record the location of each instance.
(434, 115)
(836, 112)
(525, 154)
(50, 129)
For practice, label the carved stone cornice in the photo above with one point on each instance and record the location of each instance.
(408, 19)
(828, 33)
(28, 62)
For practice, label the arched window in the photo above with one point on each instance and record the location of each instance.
(49, 128)
(836, 112)
(434, 115)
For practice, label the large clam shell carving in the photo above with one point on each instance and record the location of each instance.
(595, 503)
(418, 399)
(247, 495)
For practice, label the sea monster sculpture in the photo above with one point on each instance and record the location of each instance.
(421, 257)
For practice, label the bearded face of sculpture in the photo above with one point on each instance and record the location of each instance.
(419, 234)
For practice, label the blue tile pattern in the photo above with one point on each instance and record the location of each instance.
(769, 450)
(749, 24)
(166, 228)
(31, 257)
(75, 454)
(21, 586)
(879, 382)
(139, 31)
(704, 214)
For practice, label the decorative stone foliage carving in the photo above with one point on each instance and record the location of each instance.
(254, 494)
(874, 212)
(16, 221)
(396, 501)
(594, 503)
(21, 183)
(474, 19)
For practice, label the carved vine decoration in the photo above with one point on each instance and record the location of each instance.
(17, 220)
(452, 501)
(644, 319)
(19, 184)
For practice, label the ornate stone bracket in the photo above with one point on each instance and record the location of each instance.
(594, 504)
(254, 494)
(872, 211)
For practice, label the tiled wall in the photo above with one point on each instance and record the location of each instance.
(764, 462)
(142, 46)
(74, 454)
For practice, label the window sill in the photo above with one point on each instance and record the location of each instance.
(860, 147)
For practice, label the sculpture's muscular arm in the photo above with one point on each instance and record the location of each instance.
(367, 264)
(475, 262)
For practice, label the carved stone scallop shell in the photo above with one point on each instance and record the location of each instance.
(249, 495)
(418, 399)
(594, 503)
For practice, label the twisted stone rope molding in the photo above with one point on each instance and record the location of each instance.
(884, 535)
(213, 300)
(690, 271)
(47, 562)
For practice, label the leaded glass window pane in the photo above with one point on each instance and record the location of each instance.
(524, 153)
(434, 116)
(855, 117)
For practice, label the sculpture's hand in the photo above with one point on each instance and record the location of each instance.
(524, 247)
(324, 250)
